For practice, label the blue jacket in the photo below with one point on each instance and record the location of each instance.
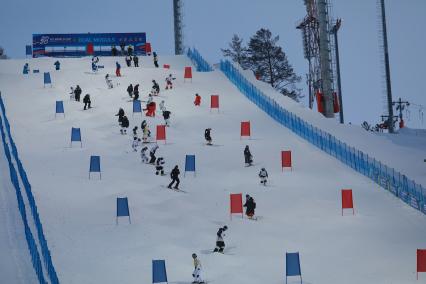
(117, 65)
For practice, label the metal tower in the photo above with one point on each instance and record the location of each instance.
(177, 13)
(316, 28)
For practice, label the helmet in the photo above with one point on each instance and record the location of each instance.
(225, 228)
(263, 169)
(194, 255)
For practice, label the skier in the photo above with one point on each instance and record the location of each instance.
(136, 143)
(162, 106)
(250, 206)
(136, 92)
(130, 90)
(124, 125)
(152, 154)
(197, 270)
(72, 95)
(159, 168)
(117, 69)
(166, 116)
(120, 115)
(263, 174)
(144, 157)
(87, 101)
(57, 65)
(169, 82)
(155, 88)
(26, 69)
(197, 100)
(135, 133)
(114, 50)
(130, 50)
(77, 93)
(145, 134)
(108, 81)
(143, 124)
(207, 136)
(155, 59)
(175, 178)
(220, 243)
(136, 61)
(128, 61)
(248, 158)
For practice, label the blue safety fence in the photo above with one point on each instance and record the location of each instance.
(198, 60)
(47, 260)
(411, 193)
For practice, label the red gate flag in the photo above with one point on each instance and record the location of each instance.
(188, 73)
(161, 133)
(347, 200)
(336, 106)
(166, 66)
(245, 128)
(214, 101)
(320, 99)
(286, 160)
(148, 48)
(89, 48)
(421, 261)
(236, 203)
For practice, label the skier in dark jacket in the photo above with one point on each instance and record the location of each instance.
(152, 154)
(114, 50)
(77, 93)
(120, 115)
(220, 243)
(159, 166)
(155, 59)
(166, 116)
(128, 60)
(207, 136)
(248, 158)
(155, 88)
(136, 61)
(130, 90)
(136, 92)
(124, 125)
(87, 101)
(250, 206)
(175, 177)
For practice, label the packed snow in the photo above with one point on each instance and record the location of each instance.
(298, 210)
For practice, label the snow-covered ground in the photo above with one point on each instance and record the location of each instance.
(299, 210)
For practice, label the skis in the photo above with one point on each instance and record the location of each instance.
(174, 189)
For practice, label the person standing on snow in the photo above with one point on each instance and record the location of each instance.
(128, 61)
(87, 102)
(263, 174)
(155, 59)
(144, 157)
(159, 166)
(136, 61)
(197, 100)
(250, 206)
(120, 115)
(117, 69)
(169, 82)
(136, 92)
(207, 136)
(155, 88)
(77, 93)
(130, 90)
(135, 144)
(166, 116)
(162, 106)
(124, 125)
(197, 270)
(108, 81)
(248, 158)
(175, 178)
(152, 154)
(220, 243)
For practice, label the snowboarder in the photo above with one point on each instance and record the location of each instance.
(207, 136)
(128, 61)
(197, 270)
(124, 125)
(263, 174)
(155, 59)
(57, 65)
(175, 178)
(108, 81)
(197, 100)
(152, 154)
(169, 82)
(136, 92)
(120, 115)
(144, 157)
(159, 168)
(155, 88)
(220, 243)
(130, 90)
(248, 158)
(87, 102)
(117, 69)
(162, 106)
(77, 93)
(250, 206)
(136, 61)
(135, 143)
(166, 116)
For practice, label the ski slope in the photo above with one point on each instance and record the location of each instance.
(299, 210)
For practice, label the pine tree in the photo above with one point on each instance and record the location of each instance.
(237, 51)
(270, 62)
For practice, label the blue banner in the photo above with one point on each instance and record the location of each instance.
(72, 45)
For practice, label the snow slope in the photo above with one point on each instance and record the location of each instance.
(298, 211)
(406, 157)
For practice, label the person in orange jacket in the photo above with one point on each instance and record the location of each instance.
(197, 101)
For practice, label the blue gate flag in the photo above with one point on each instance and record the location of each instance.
(47, 79)
(60, 107)
(28, 50)
(137, 106)
(95, 164)
(292, 265)
(122, 207)
(190, 163)
(159, 274)
(75, 134)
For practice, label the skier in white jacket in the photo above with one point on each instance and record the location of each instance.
(263, 174)
(197, 270)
